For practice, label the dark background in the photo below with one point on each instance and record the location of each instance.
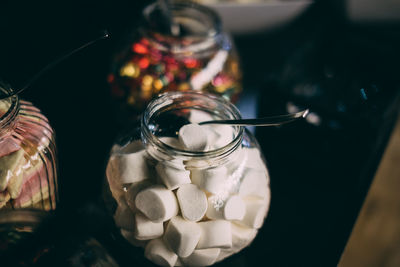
(345, 73)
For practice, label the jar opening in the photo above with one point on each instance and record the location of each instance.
(198, 27)
(166, 114)
(8, 107)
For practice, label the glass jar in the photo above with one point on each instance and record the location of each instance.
(186, 206)
(28, 171)
(199, 56)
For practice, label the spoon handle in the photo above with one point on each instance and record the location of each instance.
(266, 121)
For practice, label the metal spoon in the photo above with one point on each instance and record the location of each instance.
(4, 95)
(266, 121)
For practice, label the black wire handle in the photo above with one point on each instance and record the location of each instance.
(54, 63)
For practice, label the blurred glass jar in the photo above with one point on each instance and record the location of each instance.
(198, 56)
(28, 171)
(182, 206)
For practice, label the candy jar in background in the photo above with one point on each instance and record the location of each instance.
(196, 55)
(28, 170)
(188, 194)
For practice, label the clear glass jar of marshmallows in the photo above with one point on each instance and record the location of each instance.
(189, 194)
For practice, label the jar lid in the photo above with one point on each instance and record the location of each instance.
(199, 27)
(182, 102)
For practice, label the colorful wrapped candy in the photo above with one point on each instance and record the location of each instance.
(199, 58)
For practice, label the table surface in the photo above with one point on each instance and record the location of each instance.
(320, 168)
(374, 240)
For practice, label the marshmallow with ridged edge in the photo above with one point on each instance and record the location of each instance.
(256, 211)
(146, 229)
(173, 176)
(182, 236)
(128, 168)
(192, 201)
(193, 137)
(8, 165)
(157, 252)
(124, 217)
(202, 257)
(157, 203)
(130, 237)
(215, 234)
(212, 180)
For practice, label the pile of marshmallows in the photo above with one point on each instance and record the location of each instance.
(189, 217)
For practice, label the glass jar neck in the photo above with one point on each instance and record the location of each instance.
(184, 102)
(199, 28)
(9, 109)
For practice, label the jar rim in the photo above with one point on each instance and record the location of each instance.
(208, 38)
(10, 114)
(164, 100)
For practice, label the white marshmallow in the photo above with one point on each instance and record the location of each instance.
(132, 192)
(157, 203)
(215, 234)
(128, 168)
(254, 160)
(197, 116)
(192, 201)
(202, 257)
(219, 135)
(241, 238)
(256, 210)
(146, 229)
(173, 176)
(224, 253)
(182, 236)
(124, 217)
(254, 183)
(130, 237)
(249, 158)
(212, 180)
(193, 137)
(214, 209)
(234, 208)
(157, 252)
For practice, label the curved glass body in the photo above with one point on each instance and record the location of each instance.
(187, 207)
(28, 171)
(199, 57)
